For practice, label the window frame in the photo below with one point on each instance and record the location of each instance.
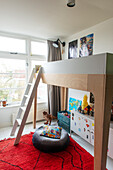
(27, 57)
(23, 87)
(15, 37)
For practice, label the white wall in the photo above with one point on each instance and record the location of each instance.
(7, 114)
(103, 42)
(103, 38)
(78, 94)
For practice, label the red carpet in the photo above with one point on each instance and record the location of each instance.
(26, 157)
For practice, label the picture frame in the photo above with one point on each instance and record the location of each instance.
(73, 49)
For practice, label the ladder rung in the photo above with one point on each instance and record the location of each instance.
(23, 108)
(19, 121)
(26, 96)
(30, 84)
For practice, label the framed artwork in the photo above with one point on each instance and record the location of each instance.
(74, 103)
(86, 46)
(72, 51)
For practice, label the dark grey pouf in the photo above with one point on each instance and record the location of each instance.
(46, 144)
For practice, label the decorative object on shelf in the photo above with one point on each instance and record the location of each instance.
(84, 103)
(4, 103)
(92, 98)
(86, 46)
(92, 111)
(79, 109)
(87, 110)
(72, 51)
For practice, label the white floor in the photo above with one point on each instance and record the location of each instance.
(5, 133)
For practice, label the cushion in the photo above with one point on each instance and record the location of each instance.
(46, 144)
(52, 132)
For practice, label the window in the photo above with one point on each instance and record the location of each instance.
(12, 45)
(42, 88)
(15, 69)
(12, 79)
(38, 48)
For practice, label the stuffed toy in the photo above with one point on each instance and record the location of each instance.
(48, 117)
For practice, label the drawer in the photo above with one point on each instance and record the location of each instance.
(87, 136)
(92, 125)
(76, 124)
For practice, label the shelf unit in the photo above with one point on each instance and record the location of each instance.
(83, 125)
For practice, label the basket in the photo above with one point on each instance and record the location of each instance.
(63, 118)
(64, 126)
(64, 121)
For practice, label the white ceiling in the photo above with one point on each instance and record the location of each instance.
(52, 18)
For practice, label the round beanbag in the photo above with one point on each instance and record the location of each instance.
(46, 144)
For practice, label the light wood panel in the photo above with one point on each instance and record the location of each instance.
(101, 86)
(74, 81)
(63, 98)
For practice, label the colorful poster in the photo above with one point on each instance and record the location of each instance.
(73, 49)
(86, 46)
(74, 103)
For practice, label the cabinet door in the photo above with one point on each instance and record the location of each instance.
(86, 130)
(76, 123)
(79, 125)
(92, 131)
(73, 124)
(92, 138)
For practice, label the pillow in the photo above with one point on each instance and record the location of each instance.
(51, 132)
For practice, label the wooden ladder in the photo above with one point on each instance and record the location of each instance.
(26, 108)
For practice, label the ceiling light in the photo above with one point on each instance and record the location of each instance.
(55, 43)
(71, 3)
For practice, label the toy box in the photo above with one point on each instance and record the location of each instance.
(64, 120)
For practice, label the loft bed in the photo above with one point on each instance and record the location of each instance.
(93, 74)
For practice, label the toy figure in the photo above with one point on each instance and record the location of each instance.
(66, 114)
(79, 109)
(84, 103)
(48, 117)
(87, 110)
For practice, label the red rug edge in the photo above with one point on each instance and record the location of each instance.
(15, 137)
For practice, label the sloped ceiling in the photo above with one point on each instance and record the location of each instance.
(52, 18)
